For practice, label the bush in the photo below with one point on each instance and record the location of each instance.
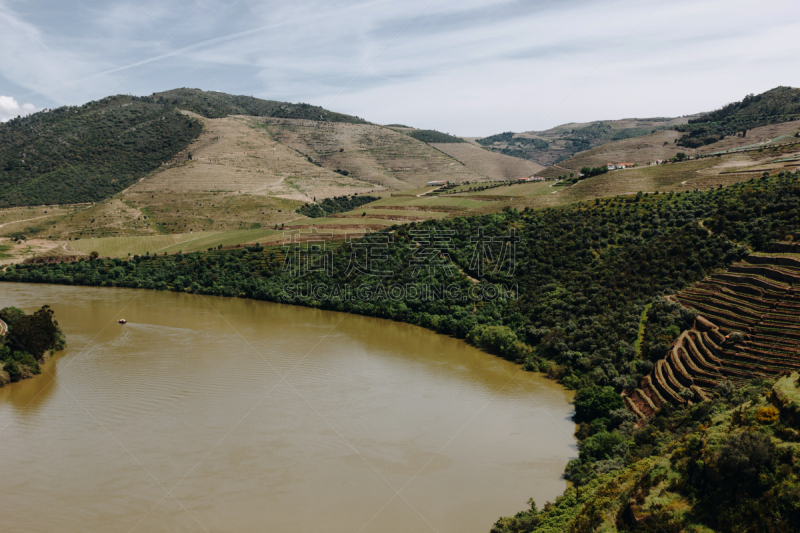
(500, 340)
(596, 402)
(603, 445)
(767, 415)
(746, 455)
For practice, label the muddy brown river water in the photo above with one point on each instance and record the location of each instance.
(207, 414)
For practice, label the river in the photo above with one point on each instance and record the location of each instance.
(208, 414)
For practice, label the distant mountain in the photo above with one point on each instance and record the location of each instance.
(212, 104)
(562, 142)
(781, 104)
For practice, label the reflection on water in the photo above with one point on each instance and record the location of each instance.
(214, 414)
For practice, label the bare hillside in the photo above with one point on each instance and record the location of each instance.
(369, 153)
(491, 165)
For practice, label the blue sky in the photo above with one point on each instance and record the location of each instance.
(465, 67)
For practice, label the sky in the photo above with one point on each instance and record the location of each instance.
(465, 67)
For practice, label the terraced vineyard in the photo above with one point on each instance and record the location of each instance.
(748, 327)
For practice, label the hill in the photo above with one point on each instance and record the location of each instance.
(87, 153)
(748, 327)
(213, 104)
(562, 142)
(781, 104)
(663, 145)
(90, 152)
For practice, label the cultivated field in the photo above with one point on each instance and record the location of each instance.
(755, 299)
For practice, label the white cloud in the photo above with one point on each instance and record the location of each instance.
(471, 67)
(10, 108)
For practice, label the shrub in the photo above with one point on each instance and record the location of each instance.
(596, 402)
(767, 415)
(603, 445)
(746, 455)
(500, 340)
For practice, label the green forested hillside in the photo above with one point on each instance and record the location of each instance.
(87, 153)
(212, 104)
(433, 136)
(777, 105)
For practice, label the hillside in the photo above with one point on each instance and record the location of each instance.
(373, 154)
(213, 104)
(87, 153)
(562, 142)
(663, 145)
(91, 152)
(491, 165)
(781, 104)
(748, 327)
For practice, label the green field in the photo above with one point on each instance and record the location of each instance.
(429, 201)
(358, 219)
(187, 242)
(517, 189)
(397, 212)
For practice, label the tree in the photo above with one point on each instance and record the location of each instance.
(681, 156)
(746, 455)
(596, 402)
(38, 332)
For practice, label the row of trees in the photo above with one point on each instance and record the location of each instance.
(331, 206)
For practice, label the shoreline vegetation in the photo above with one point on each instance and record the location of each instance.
(584, 274)
(28, 343)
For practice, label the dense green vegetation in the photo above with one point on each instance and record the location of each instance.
(583, 274)
(729, 464)
(27, 343)
(87, 153)
(337, 204)
(213, 104)
(433, 136)
(777, 105)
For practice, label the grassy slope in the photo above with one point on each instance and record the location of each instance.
(88, 153)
